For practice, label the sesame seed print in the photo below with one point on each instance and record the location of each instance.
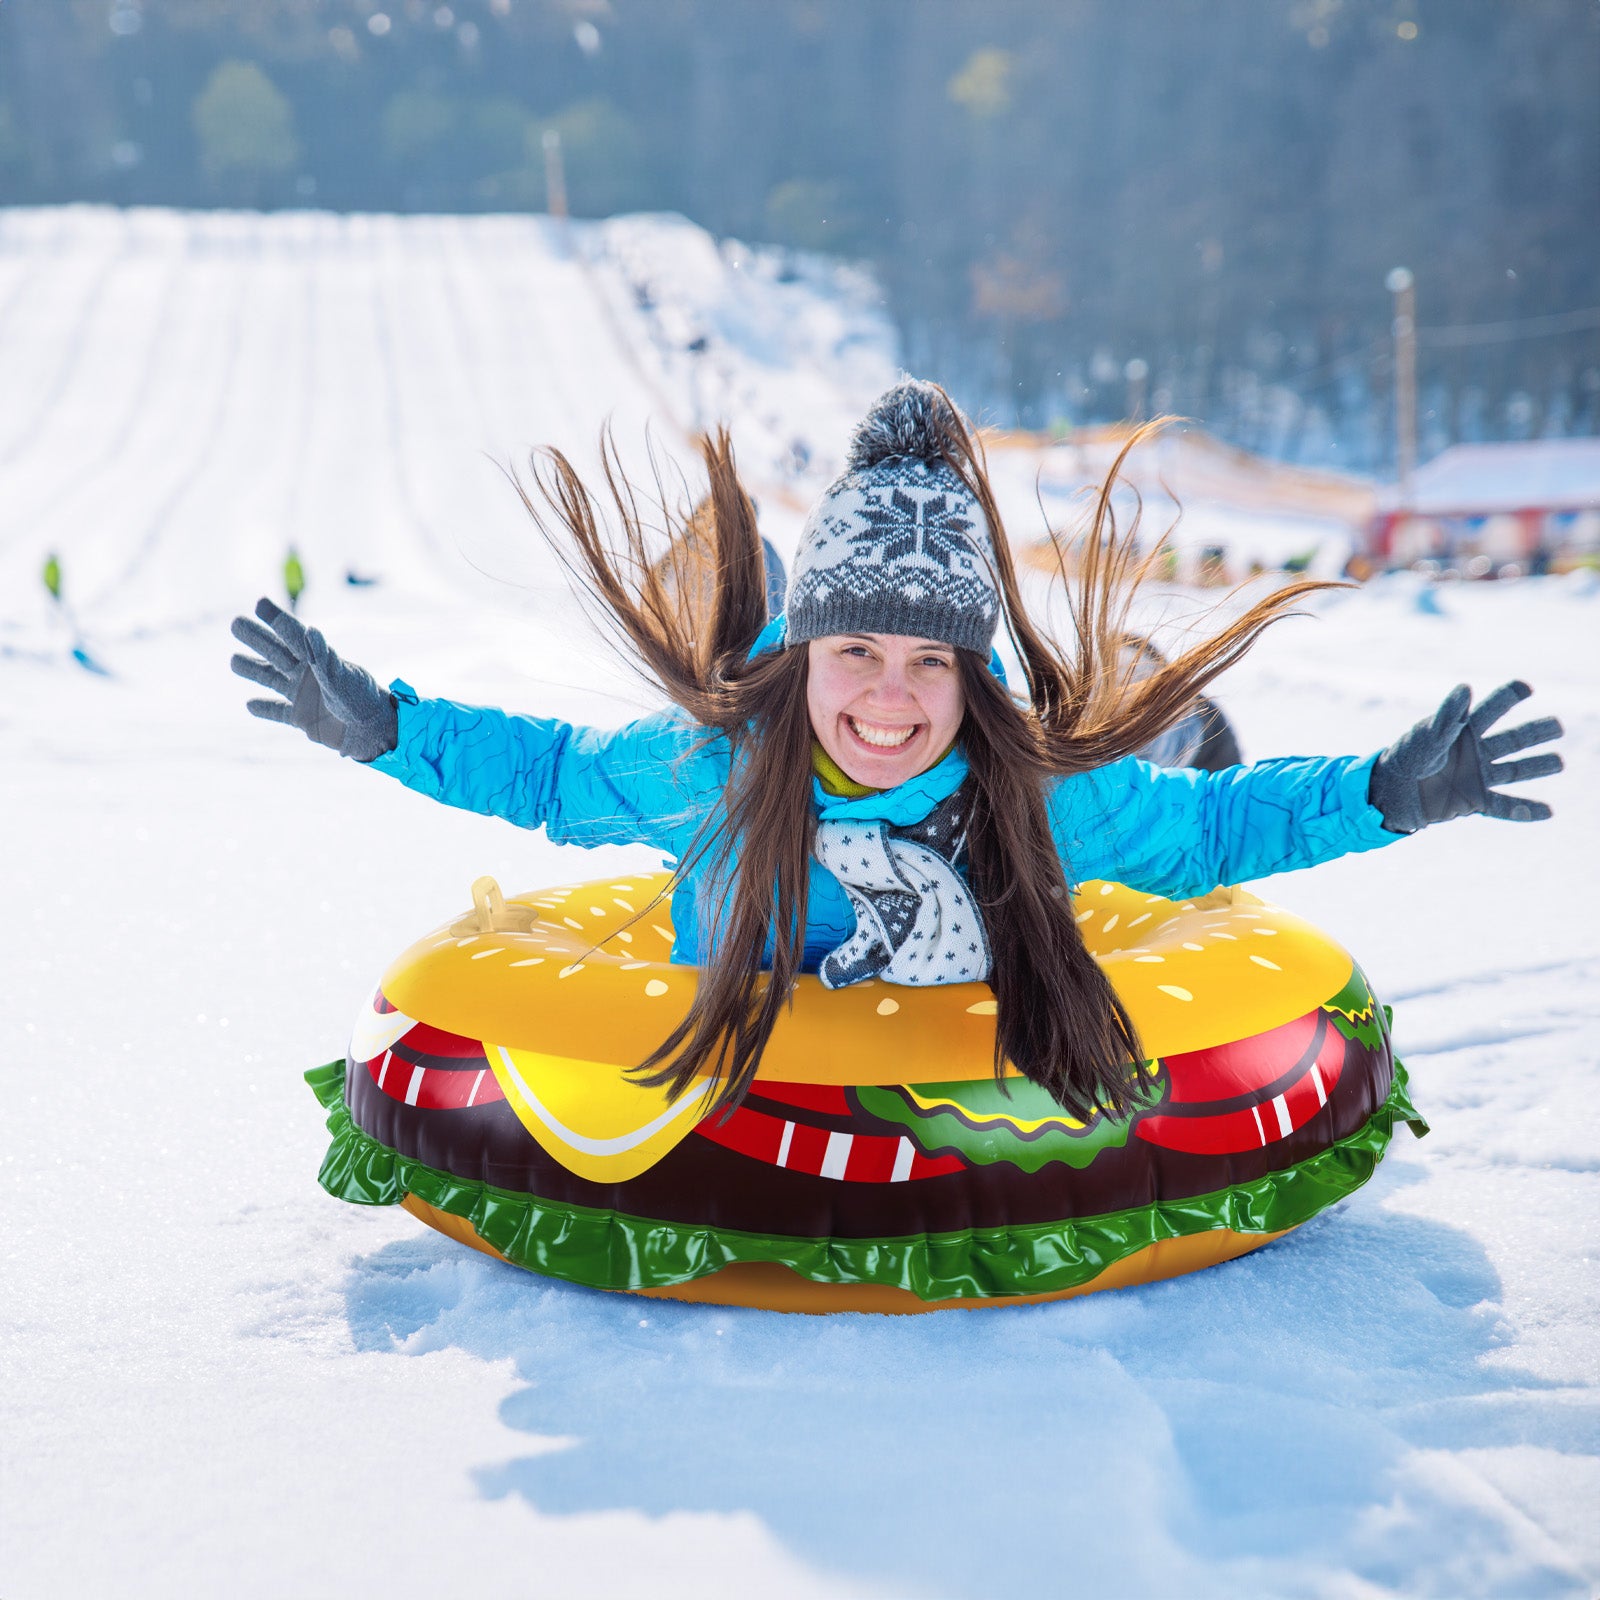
(916, 920)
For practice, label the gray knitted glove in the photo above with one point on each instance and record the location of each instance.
(1445, 767)
(330, 701)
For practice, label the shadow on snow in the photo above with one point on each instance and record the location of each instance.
(1238, 1430)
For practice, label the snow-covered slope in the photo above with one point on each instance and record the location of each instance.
(218, 1380)
(187, 395)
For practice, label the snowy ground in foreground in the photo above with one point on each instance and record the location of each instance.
(218, 1380)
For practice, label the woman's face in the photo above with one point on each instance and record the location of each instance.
(884, 706)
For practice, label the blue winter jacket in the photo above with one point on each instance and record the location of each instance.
(655, 782)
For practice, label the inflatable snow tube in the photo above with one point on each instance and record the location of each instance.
(876, 1163)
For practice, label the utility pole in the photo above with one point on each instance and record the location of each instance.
(555, 177)
(1136, 372)
(1403, 286)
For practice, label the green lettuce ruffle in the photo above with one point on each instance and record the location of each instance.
(608, 1250)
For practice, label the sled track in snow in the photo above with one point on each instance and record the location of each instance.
(393, 406)
(146, 541)
(114, 453)
(77, 344)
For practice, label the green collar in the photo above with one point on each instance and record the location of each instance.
(833, 777)
(836, 780)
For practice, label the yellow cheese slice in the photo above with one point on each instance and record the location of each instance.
(593, 1120)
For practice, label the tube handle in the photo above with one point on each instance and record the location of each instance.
(488, 903)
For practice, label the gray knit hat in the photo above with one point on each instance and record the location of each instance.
(899, 544)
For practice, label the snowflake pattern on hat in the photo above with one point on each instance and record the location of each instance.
(902, 548)
(899, 544)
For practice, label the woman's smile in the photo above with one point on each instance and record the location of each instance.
(879, 737)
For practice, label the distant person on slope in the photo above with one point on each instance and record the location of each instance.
(1202, 738)
(81, 653)
(687, 570)
(851, 788)
(294, 578)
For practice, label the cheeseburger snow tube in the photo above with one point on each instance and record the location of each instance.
(876, 1163)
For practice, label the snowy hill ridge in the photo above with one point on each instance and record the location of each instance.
(188, 393)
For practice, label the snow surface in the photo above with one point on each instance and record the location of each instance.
(218, 1380)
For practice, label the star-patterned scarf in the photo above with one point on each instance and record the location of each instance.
(897, 854)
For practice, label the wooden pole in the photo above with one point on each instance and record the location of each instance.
(555, 177)
(1137, 371)
(1402, 285)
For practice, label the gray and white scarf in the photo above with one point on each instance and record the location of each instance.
(916, 920)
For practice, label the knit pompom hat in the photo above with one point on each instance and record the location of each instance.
(898, 544)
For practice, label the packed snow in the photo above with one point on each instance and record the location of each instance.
(219, 1380)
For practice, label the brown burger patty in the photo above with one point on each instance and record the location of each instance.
(699, 1183)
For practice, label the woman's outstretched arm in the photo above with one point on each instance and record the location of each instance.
(1180, 833)
(652, 782)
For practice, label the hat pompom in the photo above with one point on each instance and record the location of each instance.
(912, 419)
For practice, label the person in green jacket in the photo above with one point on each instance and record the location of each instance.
(52, 576)
(294, 578)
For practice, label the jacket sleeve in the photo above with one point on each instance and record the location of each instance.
(652, 782)
(1181, 832)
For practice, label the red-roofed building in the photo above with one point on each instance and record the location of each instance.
(1532, 505)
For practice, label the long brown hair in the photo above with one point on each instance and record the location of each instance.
(1058, 1019)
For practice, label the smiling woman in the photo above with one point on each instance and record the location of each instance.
(878, 804)
(851, 789)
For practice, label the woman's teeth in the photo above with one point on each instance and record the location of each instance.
(883, 738)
